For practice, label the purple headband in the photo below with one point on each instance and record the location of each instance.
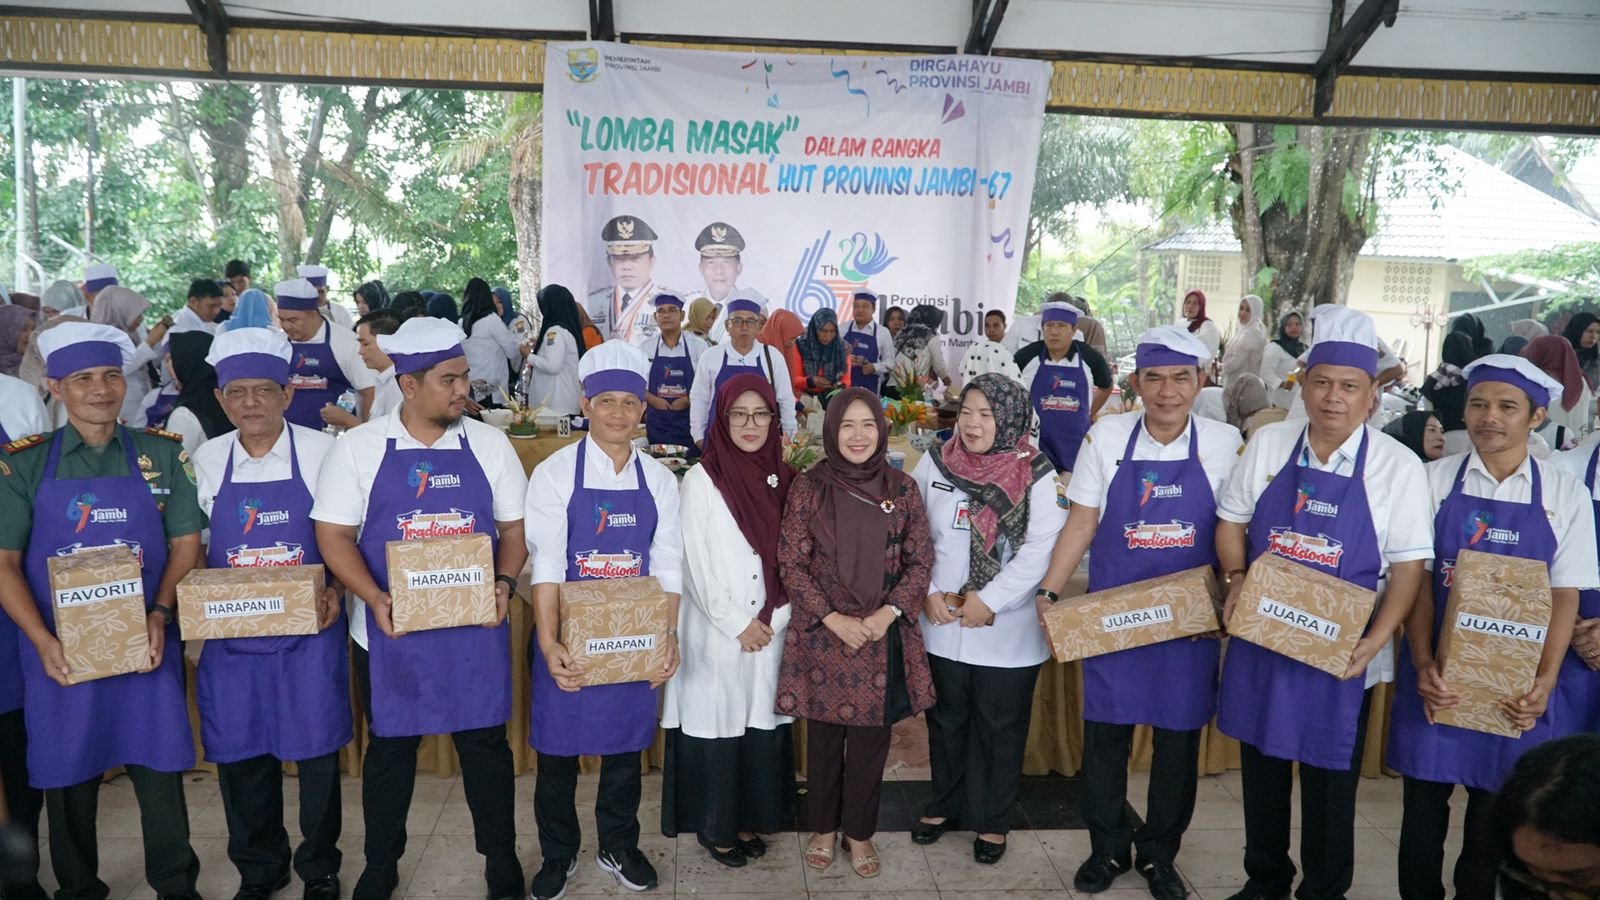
(743, 304)
(253, 365)
(1148, 356)
(1059, 315)
(82, 355)
(297, 304)
(99, 283)
(1537, 393)
(868, 296)
(1344, 353)
(669, 300)
(317, 280)
(407, 363)
(607, 380)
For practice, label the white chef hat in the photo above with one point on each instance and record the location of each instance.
(99, 275)
(1341, 336)
(615, 365)
(75, 346)
(1517, 372)
(250, 353)
(317, 275)
(1059, 311)
(745, 300)
(296, 294)
(1169, 345)
(422, 343)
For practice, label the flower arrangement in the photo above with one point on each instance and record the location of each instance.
(803, 452)
(903, 414)
(910, 386)
(522, 417)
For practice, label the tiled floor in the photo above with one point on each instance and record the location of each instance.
(440, 861)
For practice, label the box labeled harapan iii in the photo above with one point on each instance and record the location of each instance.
(1146, 612)
(616, 628)
(442, 582)
(1492, 636)
(1304, 614)
(98, 597)
(261, 601)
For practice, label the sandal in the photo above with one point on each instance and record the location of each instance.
(866, 866)
(820, 857)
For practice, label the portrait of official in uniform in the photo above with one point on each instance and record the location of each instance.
(721, 262)
(625, 309)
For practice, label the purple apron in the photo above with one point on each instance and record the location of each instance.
(1445, 753)
(317, 380)
(287, 697)
(156, 416)
(10, 662)
(670, 379)
(1060, 396)
(77, 733)
(450, 679)
(1159, 518)
(610, 718)
(1575, 703)
(1282, 707)
(865, 345)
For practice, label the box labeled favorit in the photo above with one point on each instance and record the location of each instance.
(260, 601)
(1306, 615)
(1492, 637)
(98, 597)
(442, 582)
(616, 628)
(1134, 615)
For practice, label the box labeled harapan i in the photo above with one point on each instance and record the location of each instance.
(1492, 636)
(1134, 615)
(442, 582)
(260, 601)
(1304, 614)
(616, 628)
(98, 596)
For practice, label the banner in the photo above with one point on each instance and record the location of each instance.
(802, 178)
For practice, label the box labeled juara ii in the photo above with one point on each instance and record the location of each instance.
(1304, 614)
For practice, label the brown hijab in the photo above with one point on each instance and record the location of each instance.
(854, 501)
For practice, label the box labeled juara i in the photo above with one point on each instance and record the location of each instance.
(1492, 636)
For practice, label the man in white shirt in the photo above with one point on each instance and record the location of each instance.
(870, 343)
(672, 356)
(327, 359)
(385, 392)
(426, 471)
(739, 353)
(1335, 484)
(333, 312)
(200, 311)
(1143, 496)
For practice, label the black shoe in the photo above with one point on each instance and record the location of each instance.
(1165, 882)
(324, 888)
(929, 833)
(551, 882)
(986, 852)
(377, 883)
(1250, 893)
(261, 891)
(755, 848)
(1097, 873)
(32, 891)
(632, 870)
(732, 858)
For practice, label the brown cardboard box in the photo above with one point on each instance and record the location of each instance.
(442, 582)
(260, 601)
(1304, 614)
(100, 613)
(616, 628)
(1134, 615)
(1493, 636)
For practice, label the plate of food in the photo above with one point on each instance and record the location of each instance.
(677, 464)
(665, 451)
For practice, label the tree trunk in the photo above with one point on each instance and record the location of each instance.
(286, 187)
(343, 171)
(525, 195)
(225, 117)
(92, 143)
(1246, 138)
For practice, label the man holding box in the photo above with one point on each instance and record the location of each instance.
(255, 484)
(1494, 499)
(1151, 477)
(95, 484)
(597, 498)
(1344, 499)
(424, 471)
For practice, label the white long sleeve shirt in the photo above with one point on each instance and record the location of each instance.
(773, 366)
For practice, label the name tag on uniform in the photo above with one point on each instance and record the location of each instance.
(963, 519)
(941, 486)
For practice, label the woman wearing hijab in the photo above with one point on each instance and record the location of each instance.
(1471, 326)
(408, 305)
(1570, 418)
(729, 768)
(993, 514)
(16, 329)
(1421, 432)
(369, 296)
(919, 350)
(855, 558)
(550, 374)
(782, 333)
(254, 310)
(493, 352)
(124, 309)
(1194, 310)
(1583, 333)
(1281, 358)
(1249, 341)
(701, 316)
(60, 296)
(443, 306)
(1446, 387)
(824, 358)
(1243, 399)
(198, 417)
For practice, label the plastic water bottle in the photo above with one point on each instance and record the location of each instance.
(348, 401)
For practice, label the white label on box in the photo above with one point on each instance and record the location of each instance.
(630, 644)
(90, 594)
(1137, 618)
(1299, 618)
(248, 606)
(1533, 634)
(445, 578)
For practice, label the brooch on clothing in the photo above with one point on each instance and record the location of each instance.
(887, 506)
(772, 480)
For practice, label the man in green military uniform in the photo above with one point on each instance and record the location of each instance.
(88, 485)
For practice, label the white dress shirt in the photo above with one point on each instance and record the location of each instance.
(720, 690)
(1015, 639)
(691, 345)
(346, 352)
(1024, 331)
(491, 351)
(886, 352)
(211, 461)
(553, 374)
(1210, 335)
(1101, 454)
(550, 489)
(338, 315)
(22, 413)
(386, 394)
(773, 365)
(1208, 404)
(1276, 365)
(186, 320)
(186, 425)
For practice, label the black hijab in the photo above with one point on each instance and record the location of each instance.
(558, 309)
(1471, 326)
(198, 381)
(477, 302)
(1574, 335)
(1409, 430)
(1292, 346)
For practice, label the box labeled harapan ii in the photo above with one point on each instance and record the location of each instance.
(442, 582)
(260, 601)
(616, 628)
(1134, 615)
(1492, 636)
(1304, 614)
(98, 597)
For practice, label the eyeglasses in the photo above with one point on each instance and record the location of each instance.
(741, 418)
(1522, 885)
(743, 321)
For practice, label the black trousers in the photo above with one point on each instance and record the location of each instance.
(976, 736)
(1174, 781)
(169, 862)
(258, 844)
(616, 808)
(1327, 822)
(1423, 826)
(23, 803)
(720, 787)
(389, 777)
(844, 781)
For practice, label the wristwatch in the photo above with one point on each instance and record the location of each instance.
(898, 612)
(1050, 595)
(165, 611)
(508, 581)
